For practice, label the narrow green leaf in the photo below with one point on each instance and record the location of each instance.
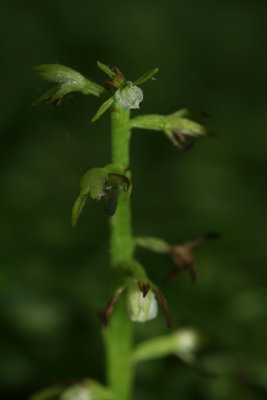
(146, 76)
(106, 69)
(104, 107)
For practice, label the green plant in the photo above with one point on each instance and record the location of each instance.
(135, 296)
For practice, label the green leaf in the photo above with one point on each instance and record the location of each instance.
(106, 69)
(146, 76)
(104, 107)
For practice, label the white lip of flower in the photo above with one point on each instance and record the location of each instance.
(77, 393)
(130, 96)
(141, 309)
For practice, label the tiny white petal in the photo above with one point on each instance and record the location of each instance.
(77, 393)
(130, 96)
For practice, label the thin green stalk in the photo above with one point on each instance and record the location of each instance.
(118, 333)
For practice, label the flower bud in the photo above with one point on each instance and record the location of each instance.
(186, 342)
(141, 309)
(130, 96)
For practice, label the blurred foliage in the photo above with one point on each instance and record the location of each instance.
(54, 279)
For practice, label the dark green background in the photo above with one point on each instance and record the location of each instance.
(54, 280)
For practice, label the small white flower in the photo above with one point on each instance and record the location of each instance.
(130, 96)
(141, 309)
(77, 393)
(186, 343)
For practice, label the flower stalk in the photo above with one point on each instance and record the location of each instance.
(118, 335)
(134, 294)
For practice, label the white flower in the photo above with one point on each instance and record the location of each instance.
(77, 393)
(141, 309)
(130, 96)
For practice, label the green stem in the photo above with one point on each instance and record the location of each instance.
(118, 334)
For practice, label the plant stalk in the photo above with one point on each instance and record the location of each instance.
(118, 333)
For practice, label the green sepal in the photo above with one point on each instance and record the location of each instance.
(89, 390)
(104, 107)
(50, 393)
(146, 76)
(68, 80)
(106, 69)
(152, 243)
(77, 209)
(92, 183)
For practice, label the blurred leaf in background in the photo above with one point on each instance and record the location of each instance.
(54, 280)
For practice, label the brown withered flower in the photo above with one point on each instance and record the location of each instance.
(184, 258)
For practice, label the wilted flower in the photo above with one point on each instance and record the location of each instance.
(184, 258)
